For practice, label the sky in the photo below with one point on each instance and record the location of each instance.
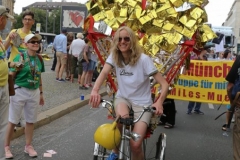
(217, 10)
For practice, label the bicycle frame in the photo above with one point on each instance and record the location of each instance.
(127, 135)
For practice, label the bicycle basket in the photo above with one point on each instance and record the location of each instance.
(108, 135)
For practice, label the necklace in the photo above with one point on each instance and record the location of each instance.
(32, 69)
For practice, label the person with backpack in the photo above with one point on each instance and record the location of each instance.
(28, 93)
(233, 87)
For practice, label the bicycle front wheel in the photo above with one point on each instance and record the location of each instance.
(99, 152)
(161, 147)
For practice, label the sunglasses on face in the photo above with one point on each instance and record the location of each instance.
(34, 42)
(126, 39)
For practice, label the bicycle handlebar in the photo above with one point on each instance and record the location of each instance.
(148, 108)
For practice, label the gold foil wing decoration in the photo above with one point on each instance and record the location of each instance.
(185, 6)
(206, 33)
(164, 24)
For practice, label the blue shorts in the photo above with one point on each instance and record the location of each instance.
(92, 66)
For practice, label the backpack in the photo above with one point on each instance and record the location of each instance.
(39, 57)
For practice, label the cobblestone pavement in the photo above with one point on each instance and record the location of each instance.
(57, 93)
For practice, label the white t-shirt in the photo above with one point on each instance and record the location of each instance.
(76, 47)
(134, 80)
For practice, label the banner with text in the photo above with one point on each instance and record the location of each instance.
(204, 82)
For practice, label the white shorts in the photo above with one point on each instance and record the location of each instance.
(146, 117)
(26, 100)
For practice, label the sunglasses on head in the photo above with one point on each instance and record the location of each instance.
(126, 39)
(6, 11)
(34, 42)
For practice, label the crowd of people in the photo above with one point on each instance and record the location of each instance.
(72, 54)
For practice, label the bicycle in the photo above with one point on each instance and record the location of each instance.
(100, 152)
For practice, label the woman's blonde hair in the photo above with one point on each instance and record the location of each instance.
(70, 34)
(135, 49)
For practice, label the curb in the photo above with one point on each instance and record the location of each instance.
(57, 112)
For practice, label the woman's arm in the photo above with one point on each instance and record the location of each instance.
(164, 91)
(95, 96)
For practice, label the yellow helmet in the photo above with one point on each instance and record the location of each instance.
(108, 136)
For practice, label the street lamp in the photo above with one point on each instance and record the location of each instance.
(46, 16)
(54, 16)
(46, 20)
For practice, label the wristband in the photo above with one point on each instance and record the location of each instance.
(41, 92)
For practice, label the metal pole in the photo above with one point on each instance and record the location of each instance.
(46, 16)
(54, 16)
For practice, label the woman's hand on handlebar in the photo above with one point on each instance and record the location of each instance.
(159, 108)
(95, 99)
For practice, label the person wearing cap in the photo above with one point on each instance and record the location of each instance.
(28, 93)
(75, 50)
(19, 34)
(60, 45)
(4, 92)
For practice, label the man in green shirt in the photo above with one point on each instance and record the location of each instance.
(28, 93)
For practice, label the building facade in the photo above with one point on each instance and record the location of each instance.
(9, 4)
(234, 21)
(49, 6)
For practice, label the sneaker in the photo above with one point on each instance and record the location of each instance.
(112, 156)
(56, 79)
(30, 151)
(8, 154)
(86, 85)
(61, 80)
(199, 112)
(83, 87)
(160, 123)
(90, 85)
(189, 113)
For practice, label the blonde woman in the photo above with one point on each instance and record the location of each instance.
(133, 69)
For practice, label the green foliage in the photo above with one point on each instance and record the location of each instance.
(53, 20)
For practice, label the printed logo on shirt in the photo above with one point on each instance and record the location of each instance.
(125, 73)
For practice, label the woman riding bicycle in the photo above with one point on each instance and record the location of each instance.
(133, 69)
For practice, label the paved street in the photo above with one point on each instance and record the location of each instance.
(195, 137)
(57, 93)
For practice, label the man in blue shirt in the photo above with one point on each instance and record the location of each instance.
(60, 45)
